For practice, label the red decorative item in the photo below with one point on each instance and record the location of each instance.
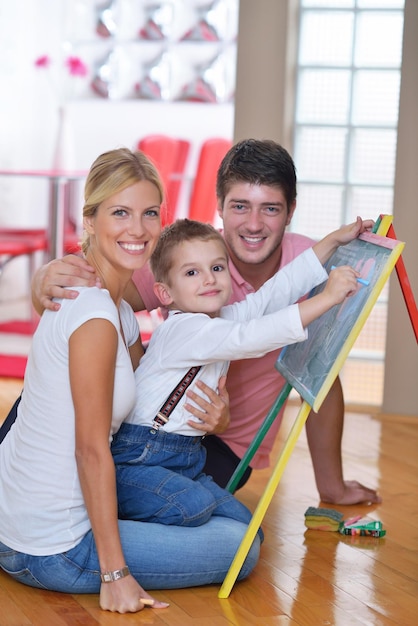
(106, 22)
(156, 83)
(212, 82)
(211, 19)
(107, 81)
(159, 19)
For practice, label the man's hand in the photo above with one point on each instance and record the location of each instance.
(49, 281)
(214, 412)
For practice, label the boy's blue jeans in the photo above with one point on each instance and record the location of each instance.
(159, 479)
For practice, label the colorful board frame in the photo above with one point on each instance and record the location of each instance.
(312, 365)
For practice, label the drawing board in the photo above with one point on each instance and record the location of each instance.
(312, 365)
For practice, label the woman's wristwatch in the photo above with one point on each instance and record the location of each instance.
(110, 577)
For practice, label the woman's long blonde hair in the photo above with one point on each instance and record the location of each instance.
(112, 172)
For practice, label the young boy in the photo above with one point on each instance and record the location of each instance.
(159, 461)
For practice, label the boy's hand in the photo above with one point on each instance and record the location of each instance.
(49, 281)
(350, 231)
(342, 282)
(328, 245)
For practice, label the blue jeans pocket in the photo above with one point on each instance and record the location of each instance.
(25, 577)
(13, 563)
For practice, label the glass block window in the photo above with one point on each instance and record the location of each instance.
(347, 99)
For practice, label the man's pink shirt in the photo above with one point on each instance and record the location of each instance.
(253, 384)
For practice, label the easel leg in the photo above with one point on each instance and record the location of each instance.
(406, 288)
(264, 502)
(255, 444)
(384, 227)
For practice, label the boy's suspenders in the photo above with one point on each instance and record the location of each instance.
(174, 398)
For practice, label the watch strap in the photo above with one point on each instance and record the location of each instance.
(110, 577)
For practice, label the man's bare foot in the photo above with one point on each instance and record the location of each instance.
(353, 493)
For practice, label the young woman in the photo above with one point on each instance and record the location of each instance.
(58, 507)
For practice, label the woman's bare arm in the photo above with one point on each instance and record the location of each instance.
(92, 349)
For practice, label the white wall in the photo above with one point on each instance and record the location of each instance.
(29, 113)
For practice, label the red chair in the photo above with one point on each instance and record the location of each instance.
(14, 243)
(25, 243)
(203, 202)
(72, 240)
(169, 155)
(177, 177)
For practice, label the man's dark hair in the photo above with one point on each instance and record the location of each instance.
(258, 162)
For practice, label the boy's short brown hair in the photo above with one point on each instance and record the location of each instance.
(172, 236)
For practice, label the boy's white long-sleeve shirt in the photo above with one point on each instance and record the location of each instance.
(188, 339)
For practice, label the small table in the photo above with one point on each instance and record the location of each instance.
(59, 181)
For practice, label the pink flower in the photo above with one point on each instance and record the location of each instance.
(43, 61)
(76, 66)
(64, 83)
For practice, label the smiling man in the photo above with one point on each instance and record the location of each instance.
(256, 190)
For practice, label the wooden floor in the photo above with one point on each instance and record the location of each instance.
(304, 577)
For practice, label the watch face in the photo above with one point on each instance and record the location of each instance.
(109, 577)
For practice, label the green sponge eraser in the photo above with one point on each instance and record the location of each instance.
(323, 519)
(335, 515)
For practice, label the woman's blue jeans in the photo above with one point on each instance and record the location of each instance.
(159, 557)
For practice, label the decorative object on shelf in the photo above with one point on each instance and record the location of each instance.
(156, 82)
(64, 87)
(106, 20)
(211, 19)
(163, 50)
(159, 21)
(112, 75)
(104, 76)
(64, 153)
(213, 81)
